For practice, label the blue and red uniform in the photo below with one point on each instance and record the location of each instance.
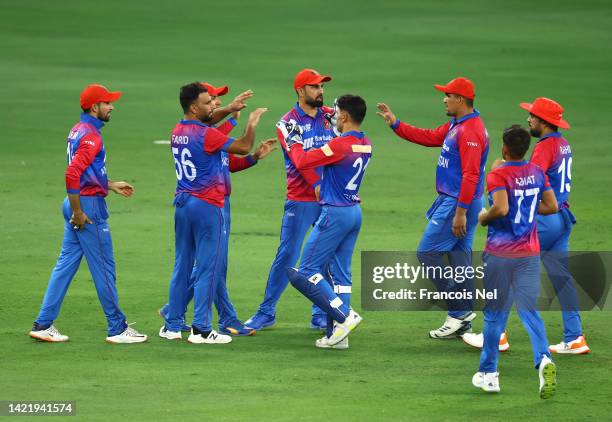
(230, 163)
(86, 176)
(512, 261)
(553, 155)
(331, 243)
(464, 144)
(198, 220)
(301, 209)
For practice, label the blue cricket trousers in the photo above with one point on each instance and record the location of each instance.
(95, 242)
(198, 228)
(438, 240)
(554, 233)
(298, 218)
(222, 301)
(329, 248)
(516, 280)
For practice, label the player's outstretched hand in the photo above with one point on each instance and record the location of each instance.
(79, 219)
(255, 115)
(121, 188)
(264, 148)
(385, 112)
(239, 102)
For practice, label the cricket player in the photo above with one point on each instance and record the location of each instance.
(197, 150)
(86, 229)
(517, 191)
(552, 153)
(228, 319)
(302, 209)
(324, 275)
(453, 217)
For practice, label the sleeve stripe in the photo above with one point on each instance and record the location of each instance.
(362, 148)
(327, 150)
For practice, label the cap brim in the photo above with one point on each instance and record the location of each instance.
(441, 88)
(526, 106)
(222, 90)
(112, 97)
(563, 124)
(319, 80)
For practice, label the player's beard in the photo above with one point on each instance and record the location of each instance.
(535, 132)
(104, 117)
(315, 102)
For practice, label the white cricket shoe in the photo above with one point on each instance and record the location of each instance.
(487, 381)
(477, 341)
(548, 378)
(212, 338)
(130, 335)
(50, 334)
(451, 326)
(341, 331)
(323, 343)
(170, 335)
(575, 347)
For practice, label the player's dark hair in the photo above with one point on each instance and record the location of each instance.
(516, 138)
(468, 102)
(190, 93)
(354, 105)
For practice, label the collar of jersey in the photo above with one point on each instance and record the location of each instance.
(456, 121)
(551, 135)
(302, 113)
(354, 133)
(193, 122)
(514, 163)
(95, 122)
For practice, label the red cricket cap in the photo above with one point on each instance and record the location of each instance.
(309, 77)
(459, 86)
(222, 90)
(548, 110)
(94, 93)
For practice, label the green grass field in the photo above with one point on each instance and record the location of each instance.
(391, 51)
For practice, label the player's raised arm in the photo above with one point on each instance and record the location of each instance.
(242, 163)
(244, 144)
(426, 137)
(236, 105)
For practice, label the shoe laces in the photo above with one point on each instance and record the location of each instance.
(131, 332)
(53, 331)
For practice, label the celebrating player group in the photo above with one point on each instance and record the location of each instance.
(326, 155)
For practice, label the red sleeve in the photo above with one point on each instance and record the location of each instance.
(427, 137)
(215, 141)
(330, 153)
(227, 126)
(240, 163)
(495, 182)
(310, 175)
(470, 151)
(89, 146)
(542, 155)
